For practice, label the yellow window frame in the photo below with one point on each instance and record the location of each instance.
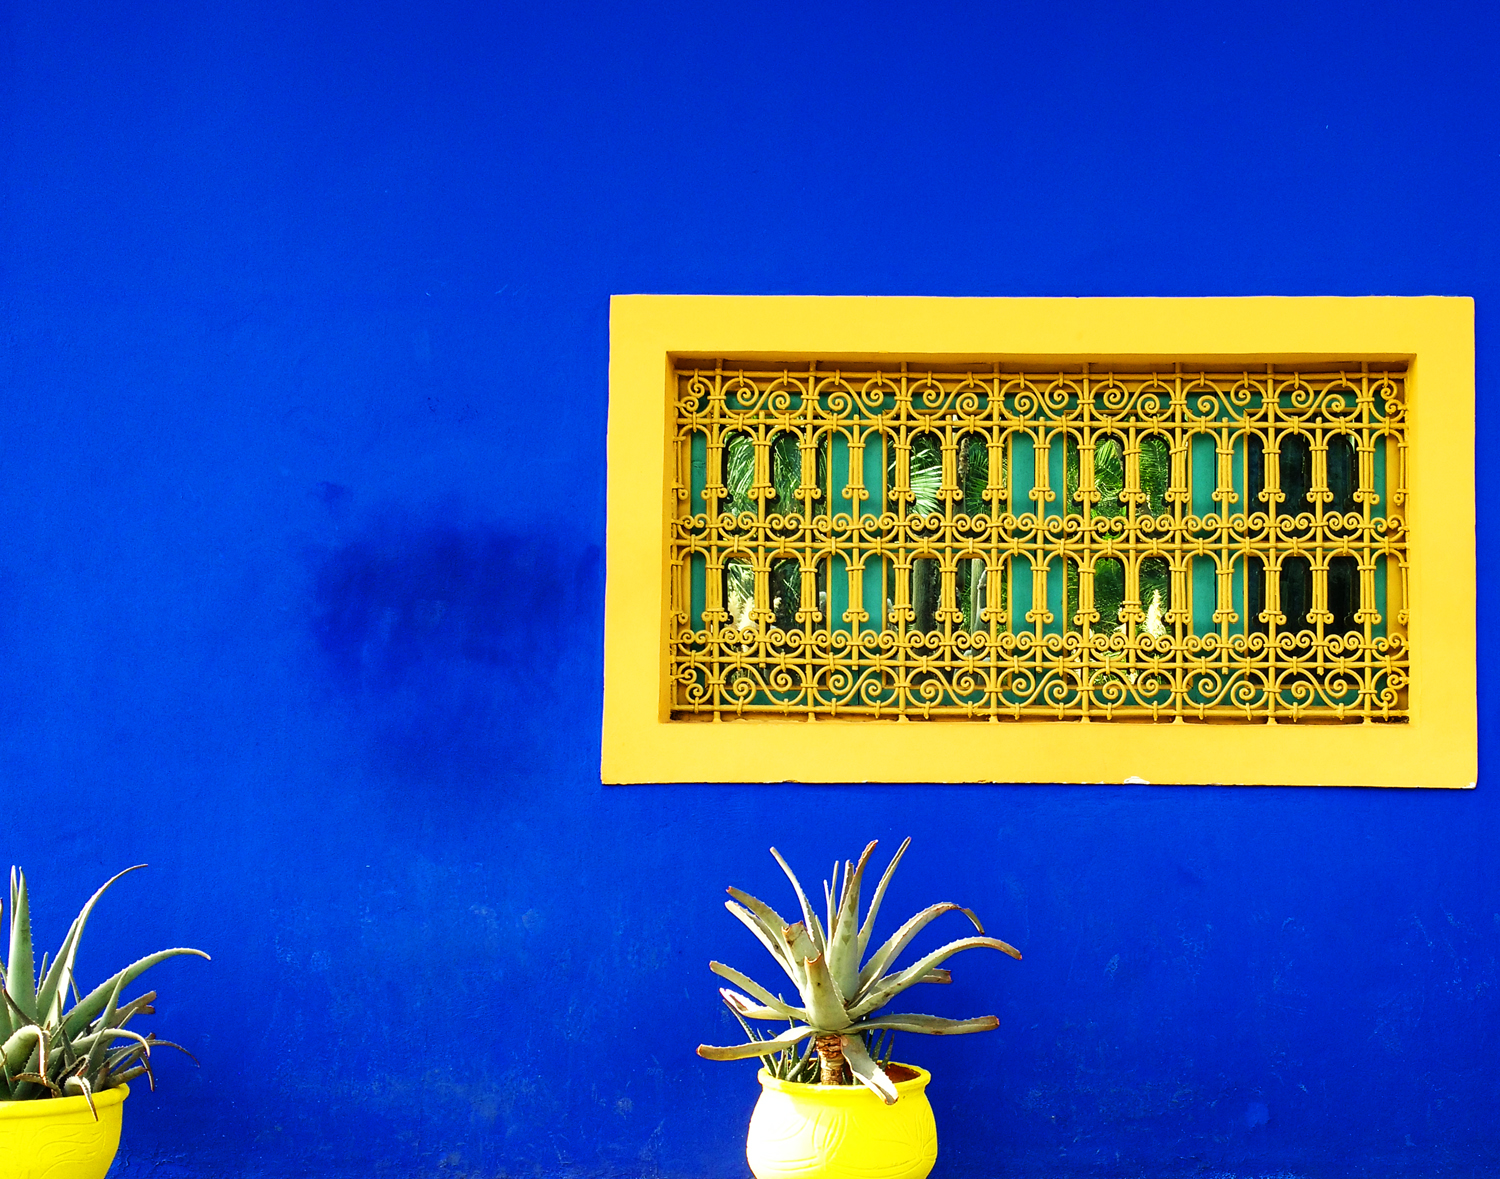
(1437, 744)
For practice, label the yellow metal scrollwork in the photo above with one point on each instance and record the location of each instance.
(977, 543)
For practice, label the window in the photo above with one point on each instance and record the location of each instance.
(907, 541)
(1041, 540)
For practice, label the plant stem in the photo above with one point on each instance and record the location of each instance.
(830, 1059)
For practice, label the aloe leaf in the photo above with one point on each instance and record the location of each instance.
(90, 1006)
(20, 982)
(809, 917)
(843, 932)
(929, 1025)
(119, 1058)
(800, 946)
(144, 1043)
(39, 1079)
(54, 988)
(880, 993)
(752, 1034)
(143, 1067)
(800, 949)
(155, 1043)
(103, 1038)
(64, 1054)
(26, 1050)
(825, 1006)
(772, 920)
(868, 927)
(744, 1006)
(745, 982)
(882, 959)
(18, 1018)
(766, 937)
(87, 1090)
(141, 1005)
(937, 976)
(758, 1048)
(774, 926)
(20, 1046)
(870, 1074)
(31, 1064)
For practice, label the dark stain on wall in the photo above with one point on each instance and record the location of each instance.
(456, 643)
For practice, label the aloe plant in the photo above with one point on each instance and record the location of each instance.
(51, 1047)
(840, 990)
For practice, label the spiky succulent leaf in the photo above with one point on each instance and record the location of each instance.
(143, 1043)
(744, 1006)
(745, 982)
(765, 936)
(843, 936)
(91, 1004)
(20, 982)
(881, 960)
(800, 949)
(20, 1047)
(884, 991)
(102, 1038)
(866, 1070)
(48, 1048)
(839, 998)
(83, 1087)
(809, 917)
(928, 1025)
(825, 1005)
(868, 927)
(769, 916)
(52, 995)
(758, 1048)
(40, 1079)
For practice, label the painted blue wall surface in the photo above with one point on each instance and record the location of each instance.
(302, 421)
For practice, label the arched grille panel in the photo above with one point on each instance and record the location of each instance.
(977, 542)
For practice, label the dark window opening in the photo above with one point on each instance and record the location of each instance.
(1296, 592)
(1295, 467)
(1255, 595)
(786, 593)
(926, 591)
(1343, 473)
(1343, 594)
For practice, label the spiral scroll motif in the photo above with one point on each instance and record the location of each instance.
(980, 542)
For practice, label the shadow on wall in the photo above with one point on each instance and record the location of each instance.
(456, 645)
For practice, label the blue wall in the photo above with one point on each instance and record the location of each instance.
(301, 515)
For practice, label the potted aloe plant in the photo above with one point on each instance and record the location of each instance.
(65, 1058)
(832, 1104)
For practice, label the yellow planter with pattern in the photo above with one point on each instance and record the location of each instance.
(58, 1138)
(842, 1131)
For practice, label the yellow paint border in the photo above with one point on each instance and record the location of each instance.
(1437, 747)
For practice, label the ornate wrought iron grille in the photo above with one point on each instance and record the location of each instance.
(970, 542)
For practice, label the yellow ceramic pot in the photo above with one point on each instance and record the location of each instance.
(58, 1138)
(842, 1131)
